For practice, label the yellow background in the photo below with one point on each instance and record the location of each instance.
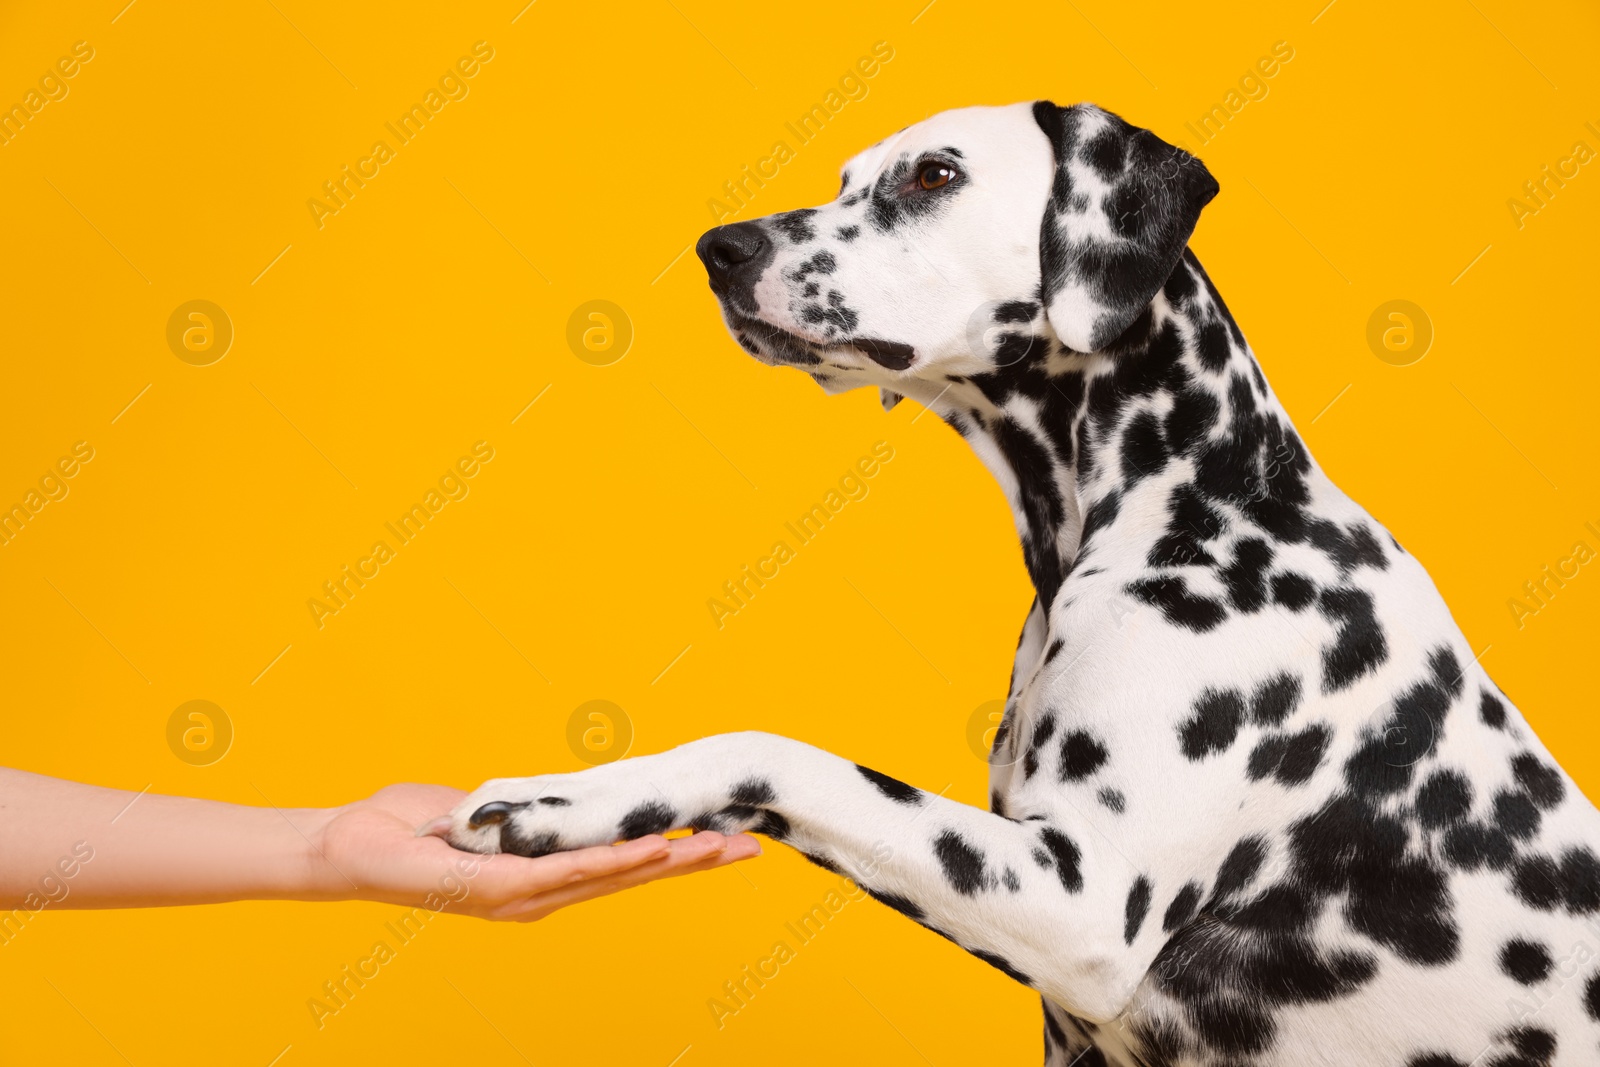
(429, 312)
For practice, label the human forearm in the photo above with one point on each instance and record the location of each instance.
(67, 845)
(83, 846)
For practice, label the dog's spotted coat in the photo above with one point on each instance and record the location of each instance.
(1254, 802)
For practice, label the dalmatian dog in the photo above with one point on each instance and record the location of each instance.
(1254, 802)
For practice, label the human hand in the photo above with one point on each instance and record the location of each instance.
(369, 850)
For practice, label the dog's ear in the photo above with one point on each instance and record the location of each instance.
(888, 398)
(1122, 206)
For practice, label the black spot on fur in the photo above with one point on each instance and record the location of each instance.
(1000, 964)
(1214, 725)
(1144, 451)
(1042, 732)
(651, 817)
(1181, 607)
(1101, 514)
(1446, 670)
(772, 825)
(1290, 758)
(1041, 504)
(1471, 845)
(1516, 814)
(1193, 414)
(1081, 756)
(1213, 346)
(1398, 898)
(1113, 799)
(1293, 591)
(1183, 906)
(1137, 907)
(796, 225)
(963, 864)
(1360, 646)
(1525, 961)
(1246, 577)
(893, 788)
(1385, 761)
(1275, 700)
(1491, 710)
(1180, 286)
(1444, 799)
(824, 862)
(1580, 878)
(1016, 311)
(556, 802)
(1192, 523)
(1104, 152)
(753, 792)
(1541, 782)
(1066, 857)
(1239, 868)
(533, 847)
(898, 903)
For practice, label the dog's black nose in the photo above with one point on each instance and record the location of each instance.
(729, 252)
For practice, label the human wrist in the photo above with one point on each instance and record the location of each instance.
(308, 872)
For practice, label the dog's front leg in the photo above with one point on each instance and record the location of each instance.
(1045, 899)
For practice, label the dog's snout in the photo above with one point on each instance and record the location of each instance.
(731, 251)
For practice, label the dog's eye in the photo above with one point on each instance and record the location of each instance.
(934, 175)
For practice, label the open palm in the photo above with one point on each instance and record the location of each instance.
(372, 848)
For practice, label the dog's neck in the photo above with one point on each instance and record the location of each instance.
(1073, 439)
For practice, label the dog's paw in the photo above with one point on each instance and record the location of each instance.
(553, 813)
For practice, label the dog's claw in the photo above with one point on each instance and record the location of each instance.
(492, 814)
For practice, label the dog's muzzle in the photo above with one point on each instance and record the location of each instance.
(734, 255)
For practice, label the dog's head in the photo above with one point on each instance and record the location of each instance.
(1048, 220)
